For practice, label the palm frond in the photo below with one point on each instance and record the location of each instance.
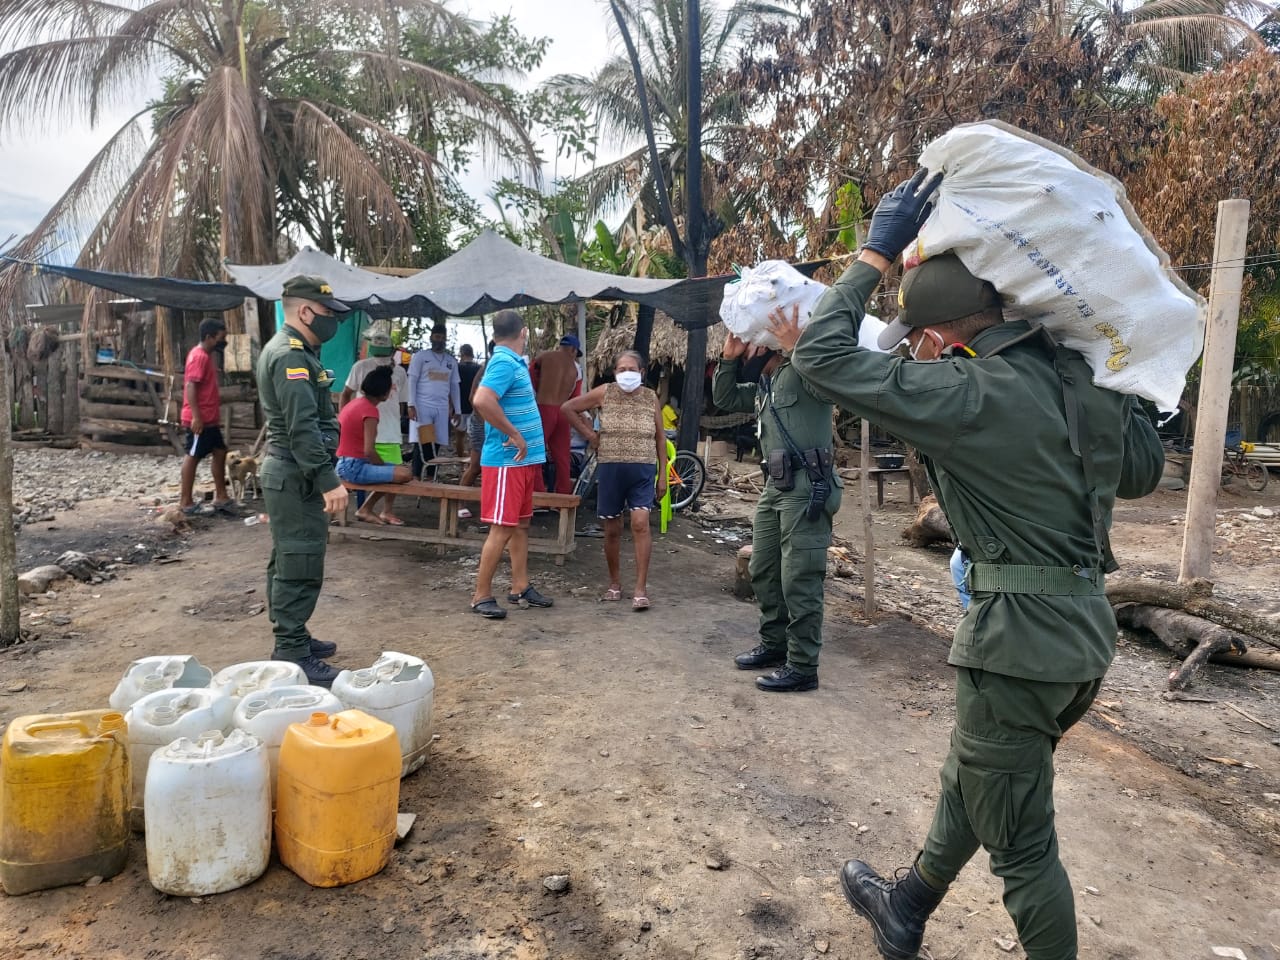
(49, 85)
(31, 21)
(373, 217)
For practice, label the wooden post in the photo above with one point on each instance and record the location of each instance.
(1215, 388)
(582, 339)
(869, 546)
(10, 631)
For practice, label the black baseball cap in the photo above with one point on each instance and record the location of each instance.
(939, 290)
(316, 289)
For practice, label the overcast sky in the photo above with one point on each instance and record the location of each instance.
(36, 170)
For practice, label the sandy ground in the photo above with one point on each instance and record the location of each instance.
(696, 816)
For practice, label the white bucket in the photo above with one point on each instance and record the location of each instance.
(241, 679)
(158, 719)
(268, 713)
(157, 673)
(398, 689)
(208, 814)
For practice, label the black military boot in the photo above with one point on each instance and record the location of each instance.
(761, 656)
(897, 909)
(323, 649)
(787, 680)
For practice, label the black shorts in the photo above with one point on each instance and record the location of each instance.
(625, 486)
(204, 443)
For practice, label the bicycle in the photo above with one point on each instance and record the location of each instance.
(1235, 463)
(686, 476)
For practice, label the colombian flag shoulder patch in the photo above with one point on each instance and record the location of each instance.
(296, 373)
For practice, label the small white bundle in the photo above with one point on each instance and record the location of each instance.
(750, 299)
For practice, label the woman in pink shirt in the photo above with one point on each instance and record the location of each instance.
(358, 459)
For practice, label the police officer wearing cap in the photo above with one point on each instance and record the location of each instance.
(299, 485)
(1026, 457)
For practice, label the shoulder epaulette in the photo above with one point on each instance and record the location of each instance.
(296, 344)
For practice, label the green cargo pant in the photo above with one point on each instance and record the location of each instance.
(788, 567)
(295, 572)
(997, 791)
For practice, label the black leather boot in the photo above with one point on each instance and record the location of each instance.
(787, 680)
(897, 909)
(760, 656)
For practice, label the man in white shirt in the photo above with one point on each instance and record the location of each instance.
(434, 393)
(381, 354)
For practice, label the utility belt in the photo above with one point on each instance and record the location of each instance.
(781, 466)
(1074, 581)
(285, 454)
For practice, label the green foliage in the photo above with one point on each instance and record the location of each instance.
(850, 210)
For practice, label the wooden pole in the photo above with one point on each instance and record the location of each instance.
(582, 339)
(691, 400)
(869, 545)
(10, 623)
(1215, 388)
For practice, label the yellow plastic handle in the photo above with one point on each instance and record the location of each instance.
(356, 732)
(58, 725)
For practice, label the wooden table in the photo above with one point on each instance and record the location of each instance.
(878, 474)
(446, 532)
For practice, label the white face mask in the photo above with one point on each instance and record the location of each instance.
(915, 351)
(629, 380)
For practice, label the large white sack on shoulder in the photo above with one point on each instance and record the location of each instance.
(750, 299)
(1062, 244)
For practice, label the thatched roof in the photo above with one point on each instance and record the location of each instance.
(669, 344)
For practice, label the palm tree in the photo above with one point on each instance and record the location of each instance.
(657, 27)
(1157, 45)
(272, 115)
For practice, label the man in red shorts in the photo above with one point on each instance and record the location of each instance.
(510, 466)
(202, 415)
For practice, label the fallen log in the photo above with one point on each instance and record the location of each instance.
(1195, 598)
(930, 524)
(1192, 638)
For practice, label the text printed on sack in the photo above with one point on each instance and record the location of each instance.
(1036, 256)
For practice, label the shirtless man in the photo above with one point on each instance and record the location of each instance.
(555, 379)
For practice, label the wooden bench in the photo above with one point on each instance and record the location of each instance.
(446, 532)
(878, 474)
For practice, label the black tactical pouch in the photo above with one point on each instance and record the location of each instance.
(780, 472)
(816, 464)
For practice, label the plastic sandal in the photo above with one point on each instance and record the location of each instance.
(489, 609)
(391, 520)
(612, 595)
(639, 603)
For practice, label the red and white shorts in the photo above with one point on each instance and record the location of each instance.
(506, 493)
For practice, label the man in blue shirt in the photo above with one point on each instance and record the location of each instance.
(510, 465)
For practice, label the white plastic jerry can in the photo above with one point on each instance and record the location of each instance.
(268, 713)
(241, 679)
(398, 689)
(158, 673)
(162, 717)
(208, 808)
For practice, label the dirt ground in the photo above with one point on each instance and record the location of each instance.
(695, 816)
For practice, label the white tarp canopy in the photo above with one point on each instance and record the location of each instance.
(488, 274)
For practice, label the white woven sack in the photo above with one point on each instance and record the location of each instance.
(750, 299)
(1062, 244)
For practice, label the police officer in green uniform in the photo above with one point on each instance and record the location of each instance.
(299, 485)
(792, 526)
(1026, 457)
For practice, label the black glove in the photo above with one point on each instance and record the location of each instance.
(900, 214)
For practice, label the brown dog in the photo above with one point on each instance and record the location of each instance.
(242, 471)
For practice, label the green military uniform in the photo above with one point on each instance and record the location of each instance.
(996, 433)
(789, 551)
(302, 438)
